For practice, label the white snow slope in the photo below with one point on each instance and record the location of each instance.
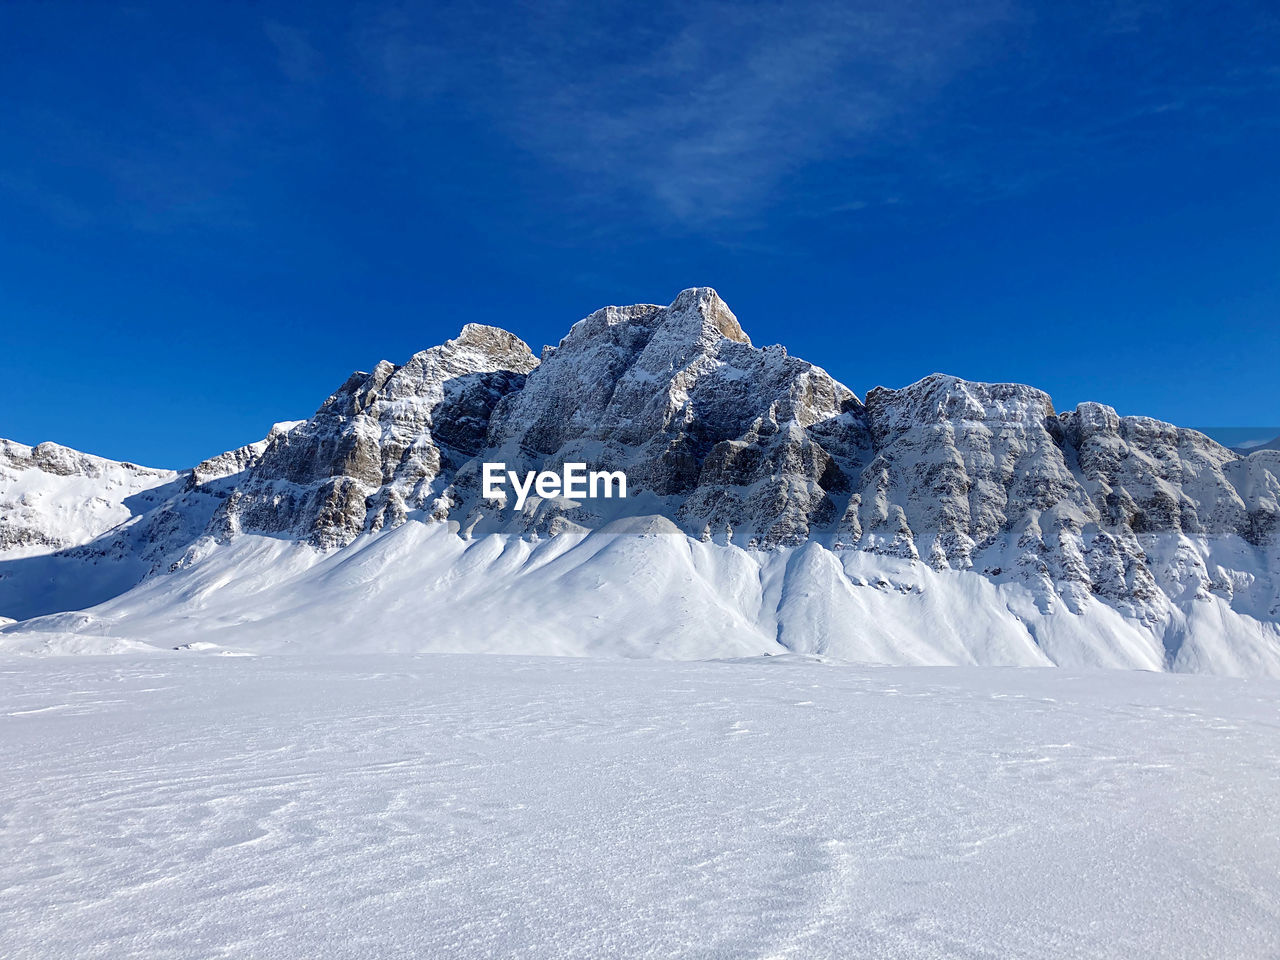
(621, 592)
(184, 806)
(53, 497)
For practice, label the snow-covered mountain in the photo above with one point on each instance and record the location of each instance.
(769, 510)
(53, 497)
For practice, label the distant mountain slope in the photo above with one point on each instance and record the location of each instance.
(1254, 448)
(76, 530)
(770, 510)
(53, 497)
(1245, 440)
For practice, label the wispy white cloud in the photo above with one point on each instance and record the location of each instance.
(702, 116)
(703, 111)
(712, 113)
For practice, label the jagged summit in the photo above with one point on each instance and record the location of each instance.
(696, 314)
(481, 346)
(702, 306)
(372, 449)
(944, 521)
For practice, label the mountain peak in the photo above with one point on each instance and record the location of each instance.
(496, 343)
(481, 347)
(713, 312)
(697, 317)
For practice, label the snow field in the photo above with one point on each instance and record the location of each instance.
(193, 806)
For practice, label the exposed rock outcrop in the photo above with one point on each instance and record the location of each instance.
(371, 452)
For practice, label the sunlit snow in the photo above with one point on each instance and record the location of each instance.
(197, 806)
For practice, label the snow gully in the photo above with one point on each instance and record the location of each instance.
(574, 483)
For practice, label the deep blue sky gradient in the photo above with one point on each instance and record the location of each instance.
(213, 212)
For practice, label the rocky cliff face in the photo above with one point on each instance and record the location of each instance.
(727, 439)
(370, 454)
(749, 445)
(738, 446)
(972, 474)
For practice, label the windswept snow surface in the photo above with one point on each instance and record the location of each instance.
(650, 591)
(194, 806)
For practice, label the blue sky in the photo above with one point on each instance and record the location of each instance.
(214, 212)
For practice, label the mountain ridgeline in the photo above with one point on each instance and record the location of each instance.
(981, 490)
